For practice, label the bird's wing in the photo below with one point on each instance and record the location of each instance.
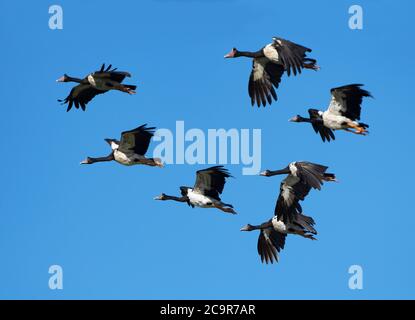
(270, 243)
(211, 181)
(137, 140)
(305, 222)
(108, 73)
(311, 174)
(265, 76)
(292, 55)
(346, 101)
(326, 133)
(80, 95)
(292, 191)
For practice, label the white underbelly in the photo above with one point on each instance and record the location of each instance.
(199, 200)
(335, 122)
(126, 159)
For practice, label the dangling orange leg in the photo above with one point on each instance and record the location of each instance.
(358, 129)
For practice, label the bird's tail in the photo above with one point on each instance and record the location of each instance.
(227, 205)
(363, 125)
(309, 63)
(329, 177)
(305, 222)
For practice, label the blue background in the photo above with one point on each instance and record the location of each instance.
(100, 223)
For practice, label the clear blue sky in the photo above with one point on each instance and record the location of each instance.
(100, 223)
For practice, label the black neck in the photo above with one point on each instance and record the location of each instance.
(71, 79)
(277, 172)
(110, 157)
(262, 226)
(302, 119)
(249, 54)
(179, 199)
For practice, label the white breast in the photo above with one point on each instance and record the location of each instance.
(271, 53)
(293, 168)
(333, 121)
(123, 158)
(199, 200)
(279, 225)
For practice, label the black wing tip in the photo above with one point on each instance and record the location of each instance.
(355, 86)
(220, 169)
(144, 128)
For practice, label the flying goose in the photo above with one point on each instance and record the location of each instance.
(95, 83)
(272, 234)
(302, 177)
(205, 193)
(288, 217)
(343, 113)
(131, 149)
(269, 64)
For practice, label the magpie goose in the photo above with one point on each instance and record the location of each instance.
(95, 83)
(270, 63)
(302, 177)
(343, 113)
(131, 149)
(205, 193)
(272, 234)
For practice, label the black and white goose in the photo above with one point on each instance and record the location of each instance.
(205, 193)
(343, 113)
(302, 177)
(288, 217)
(131, 149)
(272, 234)
(95, 83)
(269, 64)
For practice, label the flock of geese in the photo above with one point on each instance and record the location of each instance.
(269, 65)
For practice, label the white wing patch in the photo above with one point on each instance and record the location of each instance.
(259, 68)
(336, 107)
(287, 195)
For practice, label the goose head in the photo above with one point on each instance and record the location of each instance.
(88, 160)
(296, 118)
(64, 78)
(248, 227)
(161, 197)
(232, 54)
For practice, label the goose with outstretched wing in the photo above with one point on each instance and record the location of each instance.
(343, 113)
(270, 63)
(205, 193)
(131, 149)
(94, 84)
